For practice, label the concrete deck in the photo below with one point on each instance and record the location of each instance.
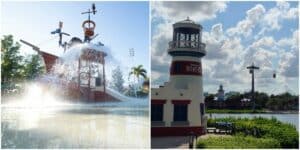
(170, 142)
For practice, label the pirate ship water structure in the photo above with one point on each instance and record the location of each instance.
(85, 85)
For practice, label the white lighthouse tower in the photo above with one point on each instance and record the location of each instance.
(177, 107)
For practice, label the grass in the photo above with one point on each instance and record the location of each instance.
(237, 142)
(269, 133)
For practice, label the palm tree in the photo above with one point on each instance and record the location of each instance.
(137, 72)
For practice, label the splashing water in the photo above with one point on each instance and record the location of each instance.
(38, 96)
(49, 90)
(66, 69)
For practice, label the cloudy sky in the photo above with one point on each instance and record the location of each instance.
(236, 34)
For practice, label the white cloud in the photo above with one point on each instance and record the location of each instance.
(266, 41)
(217, 31)
(158, 78)
(271, 19)
(274, 17)
(219, 46)
(213, 47)
(246, 26)
(289, 61)
(291, 41)
(175, 11)
(291, 14)
(289, 65)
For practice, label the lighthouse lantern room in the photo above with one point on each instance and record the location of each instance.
(177, 107)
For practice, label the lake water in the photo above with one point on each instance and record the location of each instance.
(76, 126)
(286, 118)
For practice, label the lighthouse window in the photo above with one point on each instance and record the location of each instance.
(193, 37)
(182, 40)
(180, 112)
(193, 40)
(177, 39)
(156, 112)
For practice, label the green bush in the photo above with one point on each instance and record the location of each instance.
(237, 142)
(285, 134)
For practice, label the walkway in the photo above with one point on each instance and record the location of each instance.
(170, 142)
(177, 141)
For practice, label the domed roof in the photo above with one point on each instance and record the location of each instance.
(187, 20)
(187, 23)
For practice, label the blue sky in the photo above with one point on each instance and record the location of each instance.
(236, 34)
(121, 26)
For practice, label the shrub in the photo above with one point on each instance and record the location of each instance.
(237, 141)
(285, 134)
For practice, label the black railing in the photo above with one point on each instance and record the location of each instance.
(186, 44)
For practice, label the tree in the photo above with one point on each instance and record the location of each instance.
(13, 67)
(117, 79)
(33, 67)
(137, 72)
(11, 60)
(209, 101)
(284, 101)
(234, 101)
(261, 99)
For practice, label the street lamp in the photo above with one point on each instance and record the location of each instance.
(251, 71)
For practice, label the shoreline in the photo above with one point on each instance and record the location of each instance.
(248, 111)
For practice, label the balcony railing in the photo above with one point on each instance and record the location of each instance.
(187, 44)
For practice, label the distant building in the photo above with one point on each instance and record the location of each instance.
(221, 94)
(245, 102)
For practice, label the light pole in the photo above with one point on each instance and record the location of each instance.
(131, 55)
(251, 71)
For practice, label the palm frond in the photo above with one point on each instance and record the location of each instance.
(143, 75)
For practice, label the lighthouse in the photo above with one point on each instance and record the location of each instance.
(177, 107)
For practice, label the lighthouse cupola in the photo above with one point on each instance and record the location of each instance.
(187, 39)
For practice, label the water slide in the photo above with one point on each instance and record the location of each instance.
(120, 96)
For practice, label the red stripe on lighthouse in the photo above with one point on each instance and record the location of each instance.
(186, 68)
